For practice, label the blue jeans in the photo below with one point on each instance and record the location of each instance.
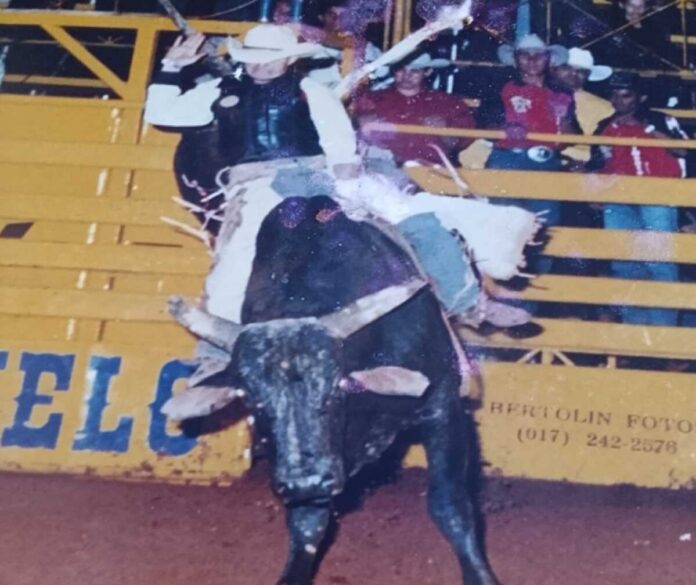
(650, 218)
(443, 260)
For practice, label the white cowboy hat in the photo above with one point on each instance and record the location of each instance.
(269, 42)
(425, 61)
(582, 59)
(558, 55)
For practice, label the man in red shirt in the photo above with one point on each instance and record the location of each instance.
(632, 120)
(410, 102)
(530, 105)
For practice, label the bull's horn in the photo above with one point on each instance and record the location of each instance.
(215, 330)
(199, 401)
(368, 309)
(392, 381)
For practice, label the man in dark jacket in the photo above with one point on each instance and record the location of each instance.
(258, 115)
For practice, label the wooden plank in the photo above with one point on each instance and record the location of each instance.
(22, 328)
(562, 186)
(62, 123)
(116, 258)
(33, 278)
(161, 284)
(77, 104)
(91, 209)
(67, 232)
(606, 291)
(164, 335)
(597, 338)
(78, 304)
(86, 155)
(61, 180)
(621, 245)
(161, 236)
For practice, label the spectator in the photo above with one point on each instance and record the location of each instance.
(632, 120)
(410, 102)
(334, 21)
(228, 122)
(530, 105)
(642, 41)
(572, 76)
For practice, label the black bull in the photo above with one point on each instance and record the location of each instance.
(312, 260)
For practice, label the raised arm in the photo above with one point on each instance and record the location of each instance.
(166, 105)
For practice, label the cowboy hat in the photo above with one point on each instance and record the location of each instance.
(558, 55)
(582, 59)
(626, 80)
(269, 42)
(424, 61)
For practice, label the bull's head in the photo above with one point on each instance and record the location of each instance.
(292, 376)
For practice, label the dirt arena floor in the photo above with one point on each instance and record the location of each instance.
(62, 530)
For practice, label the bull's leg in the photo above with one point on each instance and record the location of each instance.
(307, 526)
(450, 502)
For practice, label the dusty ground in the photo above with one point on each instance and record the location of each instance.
(60, 530)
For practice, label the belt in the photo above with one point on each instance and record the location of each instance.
(538, 154)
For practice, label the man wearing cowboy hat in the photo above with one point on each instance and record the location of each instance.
(590, 109)
(528, 104)
(409, 101)
(256, 117)
(631, 119)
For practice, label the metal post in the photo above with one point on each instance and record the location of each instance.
(685, 38)
(296, 11)
(265, 10)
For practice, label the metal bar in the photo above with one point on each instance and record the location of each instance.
(49, 80)
(561, 186)
(111, 21)
(685, 41)
(533, 136)
(141, 63)
(68, 42)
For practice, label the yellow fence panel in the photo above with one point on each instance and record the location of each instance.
(94, 409)
(587, 425)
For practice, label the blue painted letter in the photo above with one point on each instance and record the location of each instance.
(159, 440)
(90, 437)
(21, 434)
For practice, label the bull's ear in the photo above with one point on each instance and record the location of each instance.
(199, 401)
(215, 330)
(392, 381)
(367, 309)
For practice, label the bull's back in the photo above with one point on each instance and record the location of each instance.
(312, 260)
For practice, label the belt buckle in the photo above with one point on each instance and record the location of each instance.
(540, 154)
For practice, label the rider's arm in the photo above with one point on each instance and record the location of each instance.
(166, 104)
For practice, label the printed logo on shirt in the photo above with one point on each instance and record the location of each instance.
(520, 104)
